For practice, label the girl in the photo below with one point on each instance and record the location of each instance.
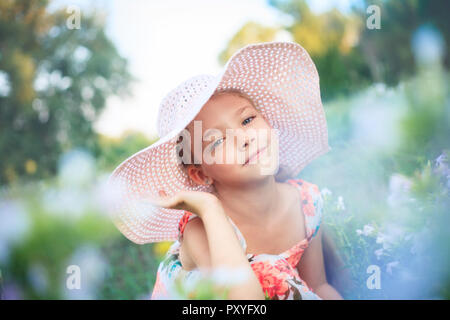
(249, 217)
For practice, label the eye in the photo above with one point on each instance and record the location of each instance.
(219, 141)
(249, 118)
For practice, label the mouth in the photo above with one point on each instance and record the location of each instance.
(255, 155)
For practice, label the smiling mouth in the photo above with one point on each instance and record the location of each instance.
(255, 155)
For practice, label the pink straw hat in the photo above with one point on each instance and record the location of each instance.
(282, 81)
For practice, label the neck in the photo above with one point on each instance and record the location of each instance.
(253, 203)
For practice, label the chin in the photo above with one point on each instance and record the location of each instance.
(260, 169)
(254, 172)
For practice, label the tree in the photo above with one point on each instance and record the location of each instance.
(388, 50)
(331, 39)
(116, 150)
(54, 82)
(251, 32)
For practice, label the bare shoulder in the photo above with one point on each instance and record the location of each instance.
(194, 249)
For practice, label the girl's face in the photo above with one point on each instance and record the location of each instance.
(236, 142)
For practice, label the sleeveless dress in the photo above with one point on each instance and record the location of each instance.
(277, 274)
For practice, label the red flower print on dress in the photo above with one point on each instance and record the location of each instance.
(271, 280)
(295, 253)
(307, 203)
(183, 221)
(284, 267)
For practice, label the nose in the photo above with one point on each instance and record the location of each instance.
(246, 143)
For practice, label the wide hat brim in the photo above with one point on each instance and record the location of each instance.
(281, 79)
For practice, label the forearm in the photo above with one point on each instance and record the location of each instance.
(327, 292)
(226, 252)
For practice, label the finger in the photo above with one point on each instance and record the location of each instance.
(166, 202)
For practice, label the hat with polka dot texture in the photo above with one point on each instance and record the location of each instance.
(282, 81)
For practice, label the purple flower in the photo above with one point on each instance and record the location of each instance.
(441, 165)
(391, 265)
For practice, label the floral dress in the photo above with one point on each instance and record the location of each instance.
(277, 274)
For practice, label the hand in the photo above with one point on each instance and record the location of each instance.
(197, 202)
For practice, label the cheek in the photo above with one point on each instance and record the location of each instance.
(226, 154)
(263, 130)
(221, 172)
(224, 159)
(262, 124)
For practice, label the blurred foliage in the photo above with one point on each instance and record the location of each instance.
(409, 246)
(251, 32)
(61, 222)
(50, 240)
(426, 127)
(348, 55)
(387, 51)
(385, 183)
(114, 150)
(58, 80)
(330, 38)
(132, 271)
(393, 144)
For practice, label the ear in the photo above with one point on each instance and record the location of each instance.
(197, 175)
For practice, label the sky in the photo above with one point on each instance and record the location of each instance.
(169, 41)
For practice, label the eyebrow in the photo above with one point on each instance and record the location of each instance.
(240, 110)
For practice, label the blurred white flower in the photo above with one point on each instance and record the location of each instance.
(384, 240)
(391, 265)
(188, 284)
(67, 202)
(82, 54)
(375, 119)
(106, 196)
(76, 168)
(441, 162)
(283, 35)
(379, 87)
(220, 276)
(367, 230)
(340, 204)
(14, 225)
(93, 270)
(399, 187)
(381, 238)
(5, 84)
(427, 44)
(379, 253)
(442, 168)
(325, 192)
(227, 276)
